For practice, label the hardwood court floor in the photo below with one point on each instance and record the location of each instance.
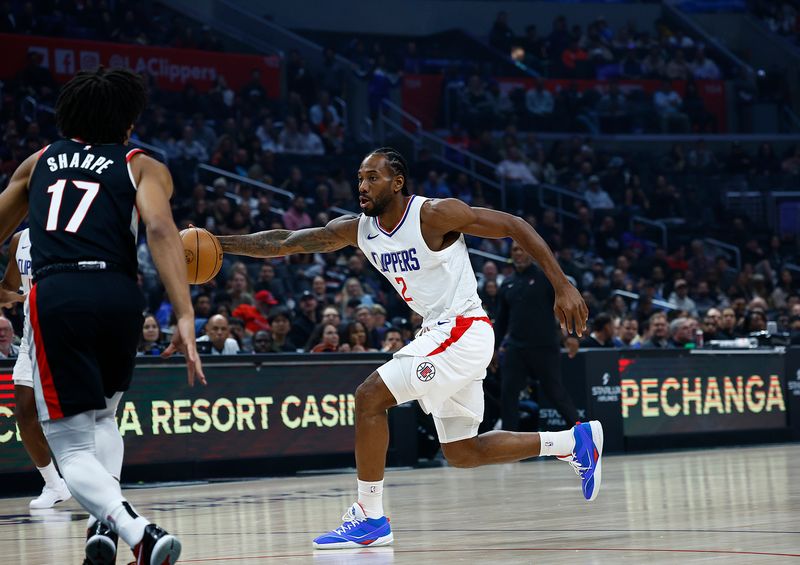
(730, 506)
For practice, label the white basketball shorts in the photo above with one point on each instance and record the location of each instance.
(23, 371)
(443, 369)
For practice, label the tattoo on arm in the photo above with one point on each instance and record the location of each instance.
(276, 243)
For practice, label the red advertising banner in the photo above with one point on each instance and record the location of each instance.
(422, 94)
(171, 68)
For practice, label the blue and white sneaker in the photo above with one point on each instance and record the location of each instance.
(586, 458)
(357, 531)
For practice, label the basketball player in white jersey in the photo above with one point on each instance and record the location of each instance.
(18, 276)
(418, 245)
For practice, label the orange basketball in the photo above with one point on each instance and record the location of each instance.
(203, 255)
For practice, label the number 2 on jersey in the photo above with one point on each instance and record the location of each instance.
(57, 190)
(402, 282)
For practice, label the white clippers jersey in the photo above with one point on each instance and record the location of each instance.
(24, 260)
(438, 285)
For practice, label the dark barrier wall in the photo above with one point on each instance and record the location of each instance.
(267, 414)
(701, 392)
(290, 406)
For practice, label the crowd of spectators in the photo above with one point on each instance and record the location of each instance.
(606, 107)
(602, 52)
(121, 21)
(335, 302)
(781, 17)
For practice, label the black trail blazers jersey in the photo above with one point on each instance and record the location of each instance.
(83, 205)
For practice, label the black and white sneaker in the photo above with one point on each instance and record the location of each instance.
(157, 547)
(101, 545)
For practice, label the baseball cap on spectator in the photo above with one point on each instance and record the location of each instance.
(266, 297)
(594, 179)
(681, 282)
(253, 319)
(599, 261)
(220, 182)
(305, 296)
(401, 323)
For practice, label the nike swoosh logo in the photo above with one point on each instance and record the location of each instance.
(24, 246)
(372, 236)
(441, 323)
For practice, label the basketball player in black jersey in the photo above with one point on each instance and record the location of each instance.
(84, 195)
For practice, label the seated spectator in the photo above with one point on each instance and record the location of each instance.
(629, 337)
(630, 67)
(150, 342)
(678, 67)
(658, 331)
(517, 175)
(268, 135)
(309, 143)
(727, 324)
(280, 323)
(324, 339)
(355, 338)
(540, 104)
(305, 318)
(392, 341)
(330, 315)
(680, 298)
(190, 149)
(653, 65)
(596, 197)
(296, 217)
(478, 107)
(218, 334)
(364, 315)
(704, 68)
(602, 332)
(261, 342)
(669, 105)
(317, 111)
(289, 140)
(613, 110)
(681, 334)
(572, 60)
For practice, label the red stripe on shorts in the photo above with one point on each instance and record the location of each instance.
(461, 327)
(46, 376)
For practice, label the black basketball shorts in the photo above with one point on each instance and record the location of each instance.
(85, 330)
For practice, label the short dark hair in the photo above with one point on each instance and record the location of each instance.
(600, 322)
(396, 162)
(100, 106)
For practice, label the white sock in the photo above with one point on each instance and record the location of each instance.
(50, 475)
(557, 443)
(126, 522)
(370, 497)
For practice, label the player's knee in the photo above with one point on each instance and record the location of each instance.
(461, 454)
(372, 394)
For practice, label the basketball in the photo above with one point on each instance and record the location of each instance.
(203, 255)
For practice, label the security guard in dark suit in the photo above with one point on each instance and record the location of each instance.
(526, 322)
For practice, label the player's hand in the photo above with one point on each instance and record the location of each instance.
(9, 297)
(183, 341)
(570, 309)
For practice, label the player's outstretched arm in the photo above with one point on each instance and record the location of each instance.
(152, 199)
(337, 234)
(14, 199)
(9, 286)
(449, 215)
